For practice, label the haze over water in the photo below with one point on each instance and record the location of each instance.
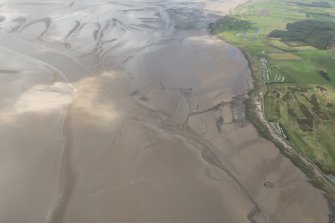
(129, 111)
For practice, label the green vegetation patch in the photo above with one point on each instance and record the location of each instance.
(312, 4)
(319, 34)
(308, 116)
(230, 23)
(275, 43)
(284, 56)
(320, 16)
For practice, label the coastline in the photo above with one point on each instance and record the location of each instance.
(255, 114)
(254, 110)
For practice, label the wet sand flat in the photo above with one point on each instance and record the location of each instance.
(128, 111)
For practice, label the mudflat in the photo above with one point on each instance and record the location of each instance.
(128, 111)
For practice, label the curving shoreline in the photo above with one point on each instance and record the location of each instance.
(255, 114)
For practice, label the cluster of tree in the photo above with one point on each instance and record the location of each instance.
(313, 4)
(230, 23)
(319, 34)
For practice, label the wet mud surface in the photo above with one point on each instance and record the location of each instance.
(128, 111)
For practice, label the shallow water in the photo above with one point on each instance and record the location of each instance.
(128, 111)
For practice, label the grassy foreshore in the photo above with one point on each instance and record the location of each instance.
(291, 104)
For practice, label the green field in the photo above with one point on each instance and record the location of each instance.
(297, 66)
(250, 25)
(308, 119)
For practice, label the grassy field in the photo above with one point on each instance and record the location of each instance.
(307, 116)
(284, 56)
(299, 74)
(250, 25)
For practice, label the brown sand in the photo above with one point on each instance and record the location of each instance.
(136, 131)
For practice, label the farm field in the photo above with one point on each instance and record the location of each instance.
(250, 25)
